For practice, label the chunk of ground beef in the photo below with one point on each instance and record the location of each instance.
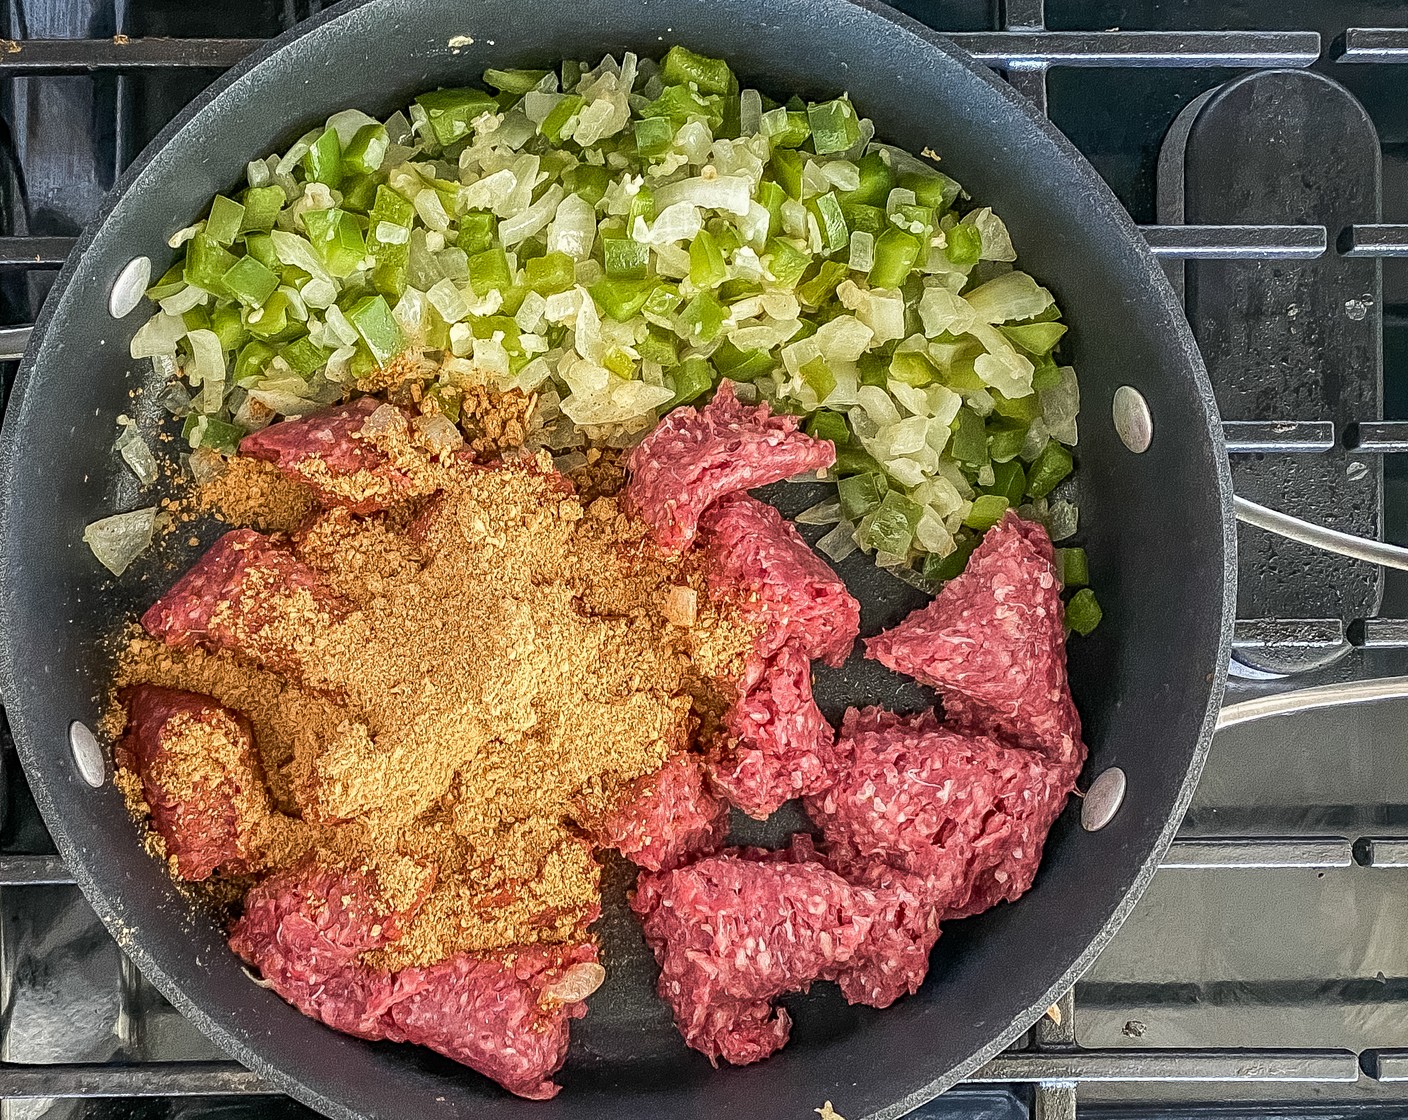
(993, 642)
(663, 818)
(247, 594)
(735, 931)
(776, 742)
(323, 450)
(696, 456)
(757, 559)
(963, 813)
(200, 775)
(504, 1014)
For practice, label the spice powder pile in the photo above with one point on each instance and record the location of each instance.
(503, 660)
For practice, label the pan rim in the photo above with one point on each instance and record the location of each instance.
(1179, 335)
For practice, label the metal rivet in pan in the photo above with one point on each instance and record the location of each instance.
(1103, 800)
(87, 754)
(1133, 423)
(128, 288)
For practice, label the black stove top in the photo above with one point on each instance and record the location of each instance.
(1264, 148)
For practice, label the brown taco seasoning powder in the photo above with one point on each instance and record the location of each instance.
(507, 654)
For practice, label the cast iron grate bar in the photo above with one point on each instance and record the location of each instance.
(1380, 633)
(1378, 240)
(1384, 851)
(997, 48)
(1253, 854)
(33, 871)
(1326, 1066)
(1387, 1065)
(31, 252)
(1390, 436)
(155, 1079)
(1248, 436)
(1237, 242)
(1372, 44)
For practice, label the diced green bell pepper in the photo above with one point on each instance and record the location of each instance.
(1083, 613)
(271, 320)
(337, 239)
(323, 163)
(707, 268)
(225, 220)
(558, 118)
(679, 103)
(742, 365)
(200, 430)
(622, 300)
(261, 207)
(1051, 466)
(787, 167)
(817, 376)
(874, 368)
(826, 209)
(877, 180)
(1072, 567)
(785, 262)
(1022, 409)
(250, 282)
(1005, 440)
(550, 273)
(913, 368)
(896, 253)
(171, 282)
(851, 459)
(825, 424)
(655, 346)
(709, 75)
(861, 493)
(835, 126)
(692, 378)
(654, 136)
(250, 362)
(489, 270)
(987, 511)
(478, 228)
(934, 189)
(366, 149)
(964, 245)
(663, 300)
(969, 444)
(516, 82)
(379, 330)
(796, 133)
(941, 568)
(225, 322)
(625, 259)
(587, 181)
(863, 217)
(703, 317)
(359, 193)
(305, 357)
(452, 111)
(822, 286)
(207, 261)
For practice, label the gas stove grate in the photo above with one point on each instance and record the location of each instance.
(1051, 1062)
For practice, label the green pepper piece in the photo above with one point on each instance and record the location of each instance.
(825, 424)
(557, 120)
(1005, 440)
(390, 207)
(366, 150)
(261, 207)
(795, 132)
(874, 368)
(964, 245)
(359, 193)
(969, 444)
(1051, 466)
(679, 103)
(516, 82)
(250, 362)
(656, 346)
(654, 136)
(893, 522)
(703, 317)
(742, 365)
(625, 259)
(250, 282)
(271, 320)
(1037, 339)
(1022, 409)
(1046, 375)
(621, 299)
(861, 493)
(196, 319)
(229, 329)
(861, 216)
(489, 270)
(907, 216)
(225, 220)
(1083, 613)
(323, 163)
(707, 268)
(817, 376)
(478, 228)
(642, 206)
(709, 75)
(934, 189)
(692, 379)
(962, 377)
(987, 511)
(550, 273)
(835, 126)
(826, 208)
(207, 261)
(453, 111)
(1073, 567)
(785, 262)
(771, 196)
(663, 300)
(941, 568)
(206, 431)
(855, 460)
(374, 322)
(822, 286)
(171, 282)
(896, 253)
(877, 180)
(337, 239)
(305, 357)
(587, 181)
(913, 368)
(787, 168)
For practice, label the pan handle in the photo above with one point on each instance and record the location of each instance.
(1317, 536)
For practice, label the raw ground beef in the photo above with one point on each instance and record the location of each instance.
(241, 596)
(696, 456)
(201, 777)
(776, 742)
(663, 818)
(993, 642)
(735, 931)
(757, 558)
(504, 1014)
(320, 450)
(965, 814)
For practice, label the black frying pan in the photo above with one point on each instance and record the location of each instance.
(1157, 525)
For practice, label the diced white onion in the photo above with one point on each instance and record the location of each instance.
(118, 540)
